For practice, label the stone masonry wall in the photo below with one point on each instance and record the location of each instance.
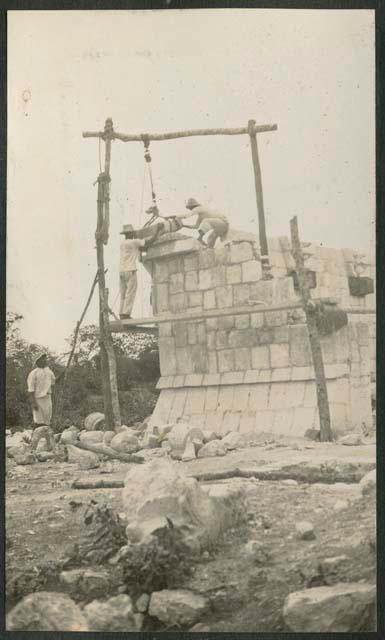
(253, 371)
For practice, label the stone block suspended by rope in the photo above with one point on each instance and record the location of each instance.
(360, 286)
(329, 318)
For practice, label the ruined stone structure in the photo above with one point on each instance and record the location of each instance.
(254, 371)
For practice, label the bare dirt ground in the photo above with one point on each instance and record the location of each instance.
(246, 590)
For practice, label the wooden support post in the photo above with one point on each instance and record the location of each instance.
(259, 195)
(107, 355)
(315, 343)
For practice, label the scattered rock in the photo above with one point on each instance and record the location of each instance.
(331, 565)
(93, 421)
(89, 583)
(351, 439)
(368, 482)
(70, 435)
(200, 627)
(139, 621)
(189, 452)
(43, 456)
(107, 437)
(151, 441)
(177, 607)
(160, 489)
(46, 611)
(116, 614)
(342, 607)
(290, 483)
(305, 531)
(340, 505)
(257, 552)
(234, 440)
(212, 449)
(125, 442)
(85, 459)
(142, 603)
(198, 444)
(178, 436)
(91, 437)
(24, 458)
(209, 435)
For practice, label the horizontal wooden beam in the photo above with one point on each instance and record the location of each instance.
(125, 325)
(130, 137)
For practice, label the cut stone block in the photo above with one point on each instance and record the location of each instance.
(199, 358)
(303, 420)
(259, 397)
(222, 339)
(234, 274)
(211, 399)
(241, 398)
(161, 298)
(191, 281)
(209, 301)
(183, 360)
(177, 302)
(242, 322)
(241, 252)
(242, 338)
(251, 271)
(260, 357)
(195, 401)
(242, 359)
(225, 399)
(212, 362)
(180, 333)
(178, 405)
(205, 279)
(165, 330)
(176, 283)
(232, 377)
(219, 276)
(161, 271)
(257, 320)
(167, 356)
(226, 360)
(193, 380)
(191, 333)
(191, 262)
(227, 322)
(195, 299)
(231, 422)
(224, 297)
(241, 294)
(206, 258)
(279, 355)
(300, 352)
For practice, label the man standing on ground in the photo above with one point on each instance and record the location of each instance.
(210, 223)
(130, 249)
(40, 382)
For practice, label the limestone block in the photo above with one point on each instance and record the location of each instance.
(265, 335)
(230, 422)
(241, 338)
(264, 375)
(363, 334)
(226, 322)
(175, 265)
(222, 339)
(341, 345)
(214, 421)
(167, 357)
(277, 260)
(232, 377)
(194, 379)
(225, 399)
(251, 376)
(191, 333)
(211, 379)
(178, 404)
(241, 294)
(281, 334)
(328, 345)
(162, 409)
(259, 397)
(264, 421)
(218, 274)
(165, 382)
(205, 279)
(276, 318)
(251, 271)
(336, 370)
(211, 340)
(302, 373)
(226, 360)
(206, 258)
(191, 262)
(161, 271)
(165, 330)
(224, 297)
(178, 302)
(279, 355)
(201, 332)
(339, 391)
(195, 400)
(242, 322)
(209, 301)
(303, 420)
(183, 360)
(283, 421)
(339, 417)
(241, 252)
(199, 358)
(300, 352)
(180, 333)
(247, 422)
(161, 298)
(310, 397)
(211, 399)
(257, 320)
(260, 357)
(243, 359)
(195, 299)
(176, 283)
(234, 274)
(241, 397)
(281, 374)
(212, 362)
(277, 397)
(222, 254)
(191, 281)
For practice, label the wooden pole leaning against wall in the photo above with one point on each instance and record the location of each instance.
(314, 339)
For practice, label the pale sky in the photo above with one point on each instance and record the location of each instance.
(310, 72)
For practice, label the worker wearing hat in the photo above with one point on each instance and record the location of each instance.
(130, 251)
(40, 382)
(210, 224)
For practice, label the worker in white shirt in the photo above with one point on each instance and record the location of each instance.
(130, 252)
(40, 382)
(210, 224)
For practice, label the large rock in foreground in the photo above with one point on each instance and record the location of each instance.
(116, 614)
(46, 611)
(160, 490)
(177, 607)
(85, 459)
(340, 608)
